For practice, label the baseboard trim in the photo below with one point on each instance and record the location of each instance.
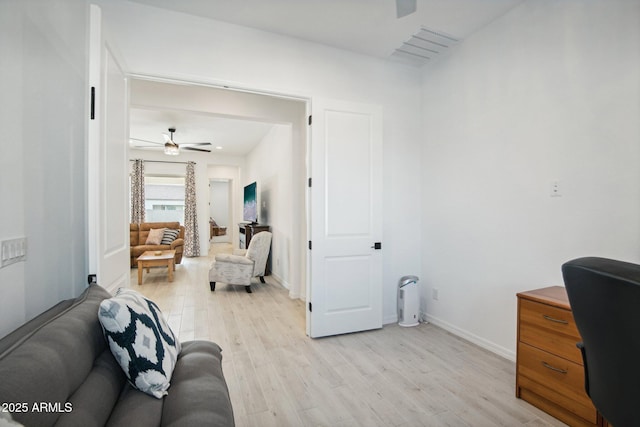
(479, 341)
(280, 281)
(294, 295)
(393, 318)
(285, 285)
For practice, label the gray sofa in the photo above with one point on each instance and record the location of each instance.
(57, 369)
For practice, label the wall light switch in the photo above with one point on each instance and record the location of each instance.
(12, 251)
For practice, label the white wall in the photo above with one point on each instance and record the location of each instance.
(12, 284)
(548, 92)
(216, 52)
(42, 161)
(270, 164)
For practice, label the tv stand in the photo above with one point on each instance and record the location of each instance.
(247, 231)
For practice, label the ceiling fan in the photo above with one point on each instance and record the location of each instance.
(171, 147)
(405, 7)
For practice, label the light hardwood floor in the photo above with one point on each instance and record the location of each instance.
(277, 376)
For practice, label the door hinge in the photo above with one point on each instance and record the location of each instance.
(310, 120)
(92, 278)
(309, 244)
(309, 182)
(310, 307)
(93, 103)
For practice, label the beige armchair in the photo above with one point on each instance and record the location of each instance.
(241, 266)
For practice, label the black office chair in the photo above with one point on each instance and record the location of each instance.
(605, 299)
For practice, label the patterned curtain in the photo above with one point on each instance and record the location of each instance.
(191, 236)
(137, 192)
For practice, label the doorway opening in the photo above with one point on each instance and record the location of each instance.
(287, 120)
(220, 212)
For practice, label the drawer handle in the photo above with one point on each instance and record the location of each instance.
(553, 368)
(564, 322)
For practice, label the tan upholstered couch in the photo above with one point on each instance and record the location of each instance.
(138, 236)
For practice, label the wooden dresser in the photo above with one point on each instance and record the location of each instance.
(549, 371)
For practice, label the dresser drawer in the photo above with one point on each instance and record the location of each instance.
(556, 379)
(549, 328)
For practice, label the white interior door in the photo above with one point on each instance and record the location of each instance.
(346, 218)
(108, 232)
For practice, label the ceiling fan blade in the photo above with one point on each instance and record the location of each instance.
(144, 140)
(141, 147)
(194, 143)
(194, 149)
(405, 7)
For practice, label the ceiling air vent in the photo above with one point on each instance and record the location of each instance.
(425, 46)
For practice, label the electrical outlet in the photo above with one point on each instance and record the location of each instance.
(434, 293)
(555, 189)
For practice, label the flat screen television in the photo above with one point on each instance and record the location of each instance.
(250, 207)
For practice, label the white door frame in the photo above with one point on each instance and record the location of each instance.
(108, 238)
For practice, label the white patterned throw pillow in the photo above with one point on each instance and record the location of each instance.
(140, 340)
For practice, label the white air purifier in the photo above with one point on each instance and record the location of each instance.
(408, 301)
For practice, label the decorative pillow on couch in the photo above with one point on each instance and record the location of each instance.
(169, 236)
(155, 236)
(140, 339)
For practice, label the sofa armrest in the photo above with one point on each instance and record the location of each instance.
(176, 243)
(198, 395)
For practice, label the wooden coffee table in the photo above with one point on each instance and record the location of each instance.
(157, 259)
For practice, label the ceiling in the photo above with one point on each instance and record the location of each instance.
(368, 27)
(235, 137)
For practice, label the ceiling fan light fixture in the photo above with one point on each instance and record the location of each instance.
(171, 148)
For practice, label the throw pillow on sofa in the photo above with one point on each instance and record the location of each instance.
(169, 236)
(155, 236)
(140, 340)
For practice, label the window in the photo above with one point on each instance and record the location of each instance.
(164, 198)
